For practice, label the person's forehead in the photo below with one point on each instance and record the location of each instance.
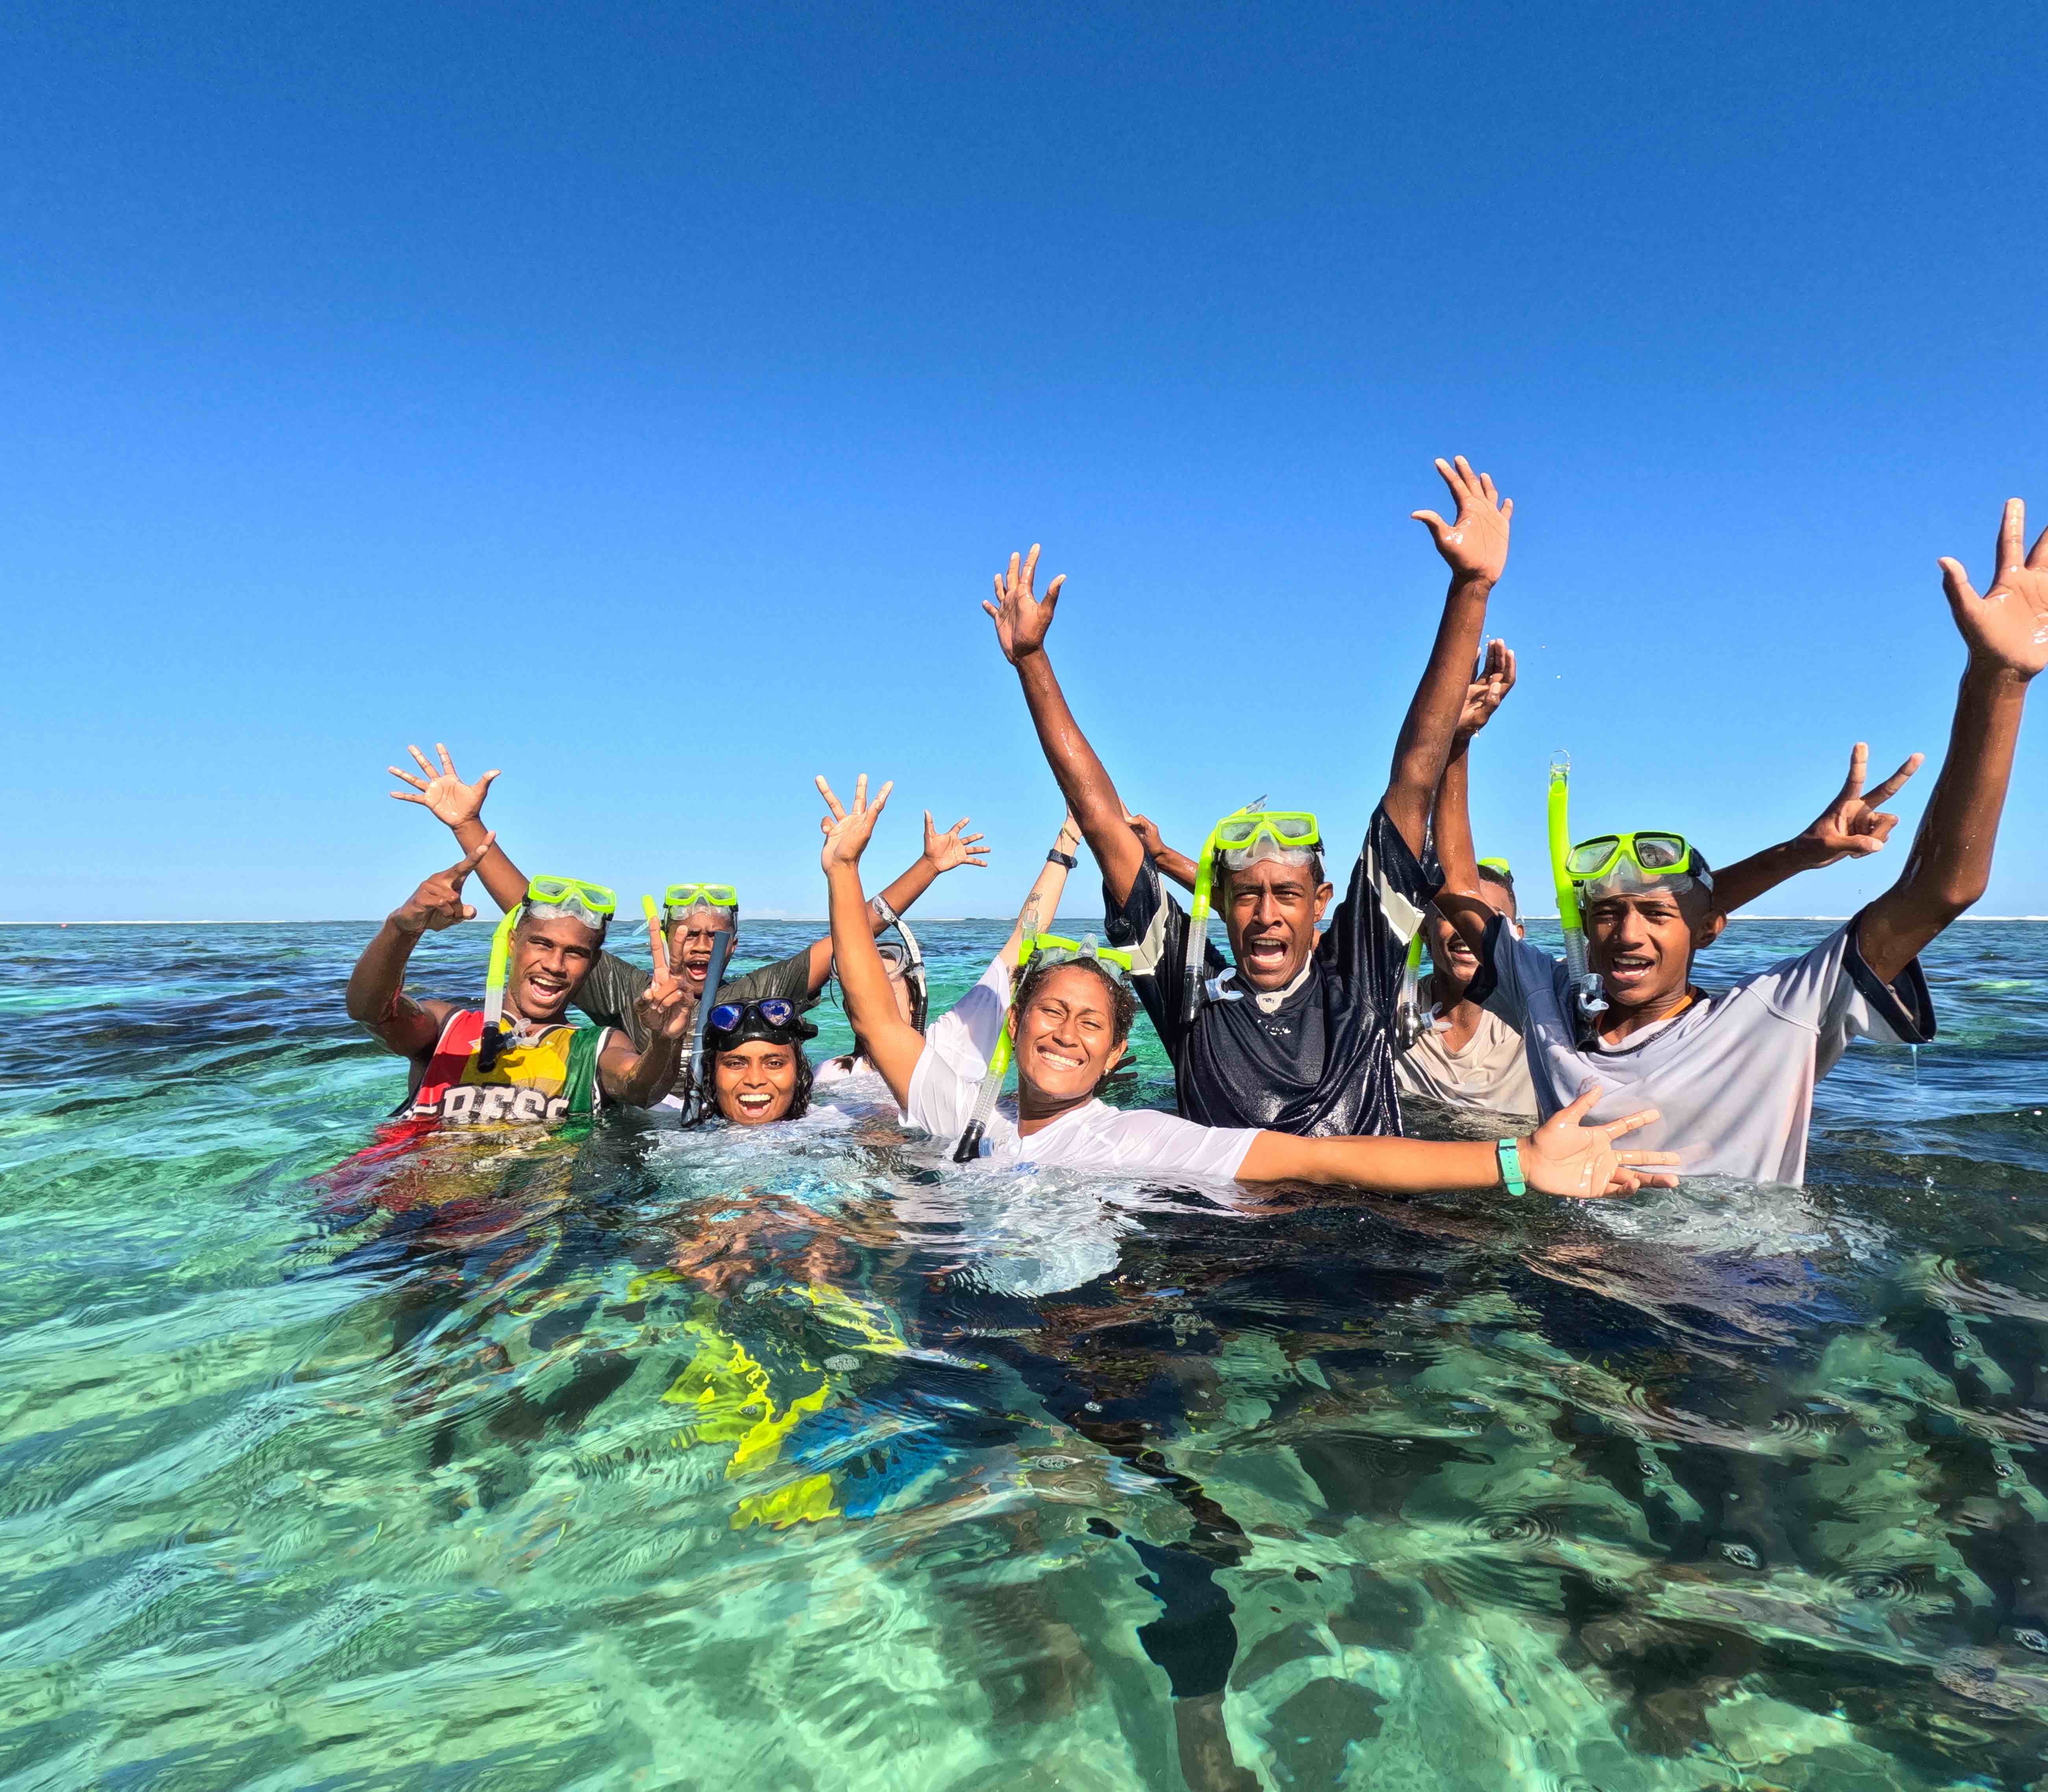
(563, 930)
(1654, 904)
(755, 1049)
(1269, 873)
(1075, 986)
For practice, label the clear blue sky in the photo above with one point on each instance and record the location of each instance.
(639, 398)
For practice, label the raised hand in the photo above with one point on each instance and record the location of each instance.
(1021, 619)
(1852, 826)
(1565, 1156)
(438, 903)
(1473, 543)
(666, 1007)
(948, 850)
(2008, 626)
(442, 791)
(1487, 693)
(847, 831)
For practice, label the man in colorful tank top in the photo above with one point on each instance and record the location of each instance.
(527, 1065)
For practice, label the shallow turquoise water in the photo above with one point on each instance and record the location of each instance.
(790, 1461)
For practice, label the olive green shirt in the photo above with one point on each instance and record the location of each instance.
(613, 985)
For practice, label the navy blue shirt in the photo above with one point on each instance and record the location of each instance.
(1321, 1063)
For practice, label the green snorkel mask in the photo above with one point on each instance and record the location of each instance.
(1585, 986)
(1289, 830)
(1059, 950)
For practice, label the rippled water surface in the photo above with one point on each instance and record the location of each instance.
(790, 1459)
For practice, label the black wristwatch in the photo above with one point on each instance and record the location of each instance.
(1056, 857)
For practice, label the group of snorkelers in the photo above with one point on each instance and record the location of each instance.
(1292, 1053)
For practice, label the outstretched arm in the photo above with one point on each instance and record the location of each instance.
(1021, 620)
(942, 852)
(376, 994)
(1852, 826)
(1562, 1157)
(1474, 545)
(2006, 632)
(443, 794)
(892, 1045)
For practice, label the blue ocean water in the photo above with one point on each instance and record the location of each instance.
(793, 1459)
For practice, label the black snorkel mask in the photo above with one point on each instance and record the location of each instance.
(906, 954)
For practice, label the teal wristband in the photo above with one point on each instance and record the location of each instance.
(1509, 1151)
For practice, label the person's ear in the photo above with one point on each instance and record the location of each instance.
(1116, 1055)
(1708, 930)
(1324, 893)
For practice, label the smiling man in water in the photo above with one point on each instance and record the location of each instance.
(1296, 1035)
(1733, 1071)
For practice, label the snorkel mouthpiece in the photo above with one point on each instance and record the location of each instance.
(1409, 1023)
(491, 1041)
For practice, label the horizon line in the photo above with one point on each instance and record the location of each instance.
(820, 921)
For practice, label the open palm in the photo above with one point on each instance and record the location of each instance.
(442, 791)
(1021, 618)
(949, 851)
(1474, 543)
(2008, 625)
(847, 831)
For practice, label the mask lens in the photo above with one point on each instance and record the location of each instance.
(1589, 858)
(1660, 852)
(1238, 832)
(726, 1016)
(1294, 830)
(776, 1011)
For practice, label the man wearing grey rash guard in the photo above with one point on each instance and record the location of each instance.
(1733, 1072)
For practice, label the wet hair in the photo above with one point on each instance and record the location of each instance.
(1243, 859)
(670, 916)
(1122, 1001)
(571, 910)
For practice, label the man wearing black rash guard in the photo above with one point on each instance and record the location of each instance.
(1296, 1036)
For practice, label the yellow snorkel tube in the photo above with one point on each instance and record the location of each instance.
(492, 1040)
(1585, 987)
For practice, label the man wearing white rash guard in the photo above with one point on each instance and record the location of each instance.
(1070, 1018)
(1734, 1070)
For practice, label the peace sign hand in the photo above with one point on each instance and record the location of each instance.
(438, 903)
(1565, 1157)
(1487, 693)
(443, 793)
(846, 830)
(666, 1007)
(1852, 826)
(2008, 626)
(1475, 544)
(947, 851)
(1021, 619)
